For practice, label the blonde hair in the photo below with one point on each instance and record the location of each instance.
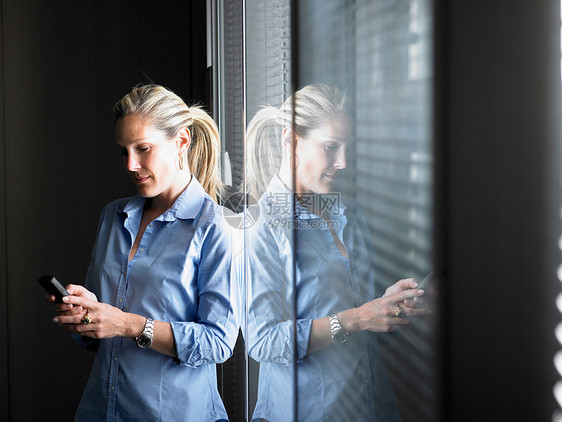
(314, 105)
(167, 112)
(265, 152)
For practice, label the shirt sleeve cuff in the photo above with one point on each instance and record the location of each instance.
(303, 338)
(186, 342)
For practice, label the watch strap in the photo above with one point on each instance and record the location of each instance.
(144, 340)
(339, 335)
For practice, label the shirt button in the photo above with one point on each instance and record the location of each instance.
(120, 300)
(125, 272)
(112, 388)
(141, 250)
(114, 358)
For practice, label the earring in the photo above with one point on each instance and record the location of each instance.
(294, 162)
(180, 164)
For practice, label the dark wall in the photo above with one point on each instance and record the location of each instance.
(498, 159)
(64, 64)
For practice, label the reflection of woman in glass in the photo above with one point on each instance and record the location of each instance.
(158, 305)
(333, 342)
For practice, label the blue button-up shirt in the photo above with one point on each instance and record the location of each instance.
(181, 274)
(343, 382)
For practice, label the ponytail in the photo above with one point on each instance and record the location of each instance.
(263, 138)
(204, 152)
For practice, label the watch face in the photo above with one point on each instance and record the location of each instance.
(340, 336)
(144, 341)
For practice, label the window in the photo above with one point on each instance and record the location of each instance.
(378, 55)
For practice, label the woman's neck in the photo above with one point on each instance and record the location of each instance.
(163, 202)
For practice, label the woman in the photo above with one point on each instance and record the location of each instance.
(158, 304)
(313, 300)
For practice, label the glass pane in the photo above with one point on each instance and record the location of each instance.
(270, 291)
(226, 19)
(338, 176)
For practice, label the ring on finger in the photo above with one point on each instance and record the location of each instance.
(399, 313)
(86, 320)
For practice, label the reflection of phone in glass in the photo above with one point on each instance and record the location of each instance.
(53, 287)
(427, 279)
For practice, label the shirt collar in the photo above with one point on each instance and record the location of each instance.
(187, 206)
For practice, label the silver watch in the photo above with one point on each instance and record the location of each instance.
(145, 339)
(339, 335)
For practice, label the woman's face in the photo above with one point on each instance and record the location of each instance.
(321, 155)
(150, 156)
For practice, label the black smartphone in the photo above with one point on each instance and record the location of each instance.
(53, 287)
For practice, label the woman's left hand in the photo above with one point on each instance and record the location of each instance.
(105, 320)
(412, 307)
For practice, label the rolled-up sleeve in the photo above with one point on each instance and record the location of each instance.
(271, 317)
